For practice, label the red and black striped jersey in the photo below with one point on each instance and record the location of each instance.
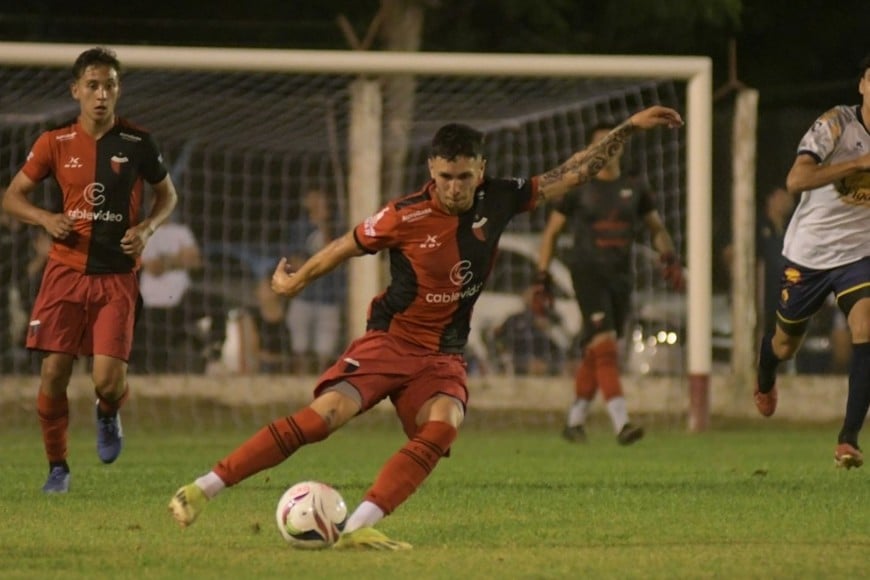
(439, 262)
(603, 216)
(101, 183)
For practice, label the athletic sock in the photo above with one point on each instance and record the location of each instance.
(858, 401)
(271, 445)
(577, 413)
(109, 408)
(62, 464)
(767, 363)
(211, 484)
(607, 368)
(403, 473)
(53, 415)
(618, 411)
(365, 515)
(585, 381)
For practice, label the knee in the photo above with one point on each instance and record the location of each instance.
(443, 408)
(336, 408)
(784, 346)
(110, 385)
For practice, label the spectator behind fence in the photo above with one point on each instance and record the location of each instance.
(16, 252)
(170, 336)
(531, 342)
(314, 316)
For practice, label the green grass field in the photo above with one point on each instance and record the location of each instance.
(759, 501)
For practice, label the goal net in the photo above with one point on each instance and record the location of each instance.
(246, 142)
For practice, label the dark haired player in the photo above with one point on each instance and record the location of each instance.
(442, 241)
(87, 299)
(827, 249)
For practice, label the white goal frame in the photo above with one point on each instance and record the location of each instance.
(694, 70)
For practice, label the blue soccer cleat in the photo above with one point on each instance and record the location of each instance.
(58, 481)
(109, 436)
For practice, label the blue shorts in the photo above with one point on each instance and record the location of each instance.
(803, 291)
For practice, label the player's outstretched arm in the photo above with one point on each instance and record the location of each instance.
(289, 283)
(583, 165)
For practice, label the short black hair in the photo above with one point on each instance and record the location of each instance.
(456, 140)
(865, 64)
(98, 55)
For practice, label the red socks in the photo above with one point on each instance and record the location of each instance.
(271, 445)
(54, 420)
(607, 368)
(109, 408)
(405, 471)
(585, 379)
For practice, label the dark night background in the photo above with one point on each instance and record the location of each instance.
(802, 56)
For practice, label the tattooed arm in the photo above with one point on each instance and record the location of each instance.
(583, 165)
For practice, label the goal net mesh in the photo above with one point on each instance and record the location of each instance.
(243, 148)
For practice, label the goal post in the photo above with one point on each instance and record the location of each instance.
(363, 141)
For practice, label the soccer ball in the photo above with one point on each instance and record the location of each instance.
(311, 515)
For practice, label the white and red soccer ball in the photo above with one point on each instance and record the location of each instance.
(311, 515)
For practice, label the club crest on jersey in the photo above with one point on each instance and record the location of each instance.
(117, 161)
(855, 189)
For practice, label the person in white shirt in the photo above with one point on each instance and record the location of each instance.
(172, 305)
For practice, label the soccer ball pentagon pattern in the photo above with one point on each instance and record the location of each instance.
(311, 515)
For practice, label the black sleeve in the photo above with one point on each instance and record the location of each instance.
(152, 168)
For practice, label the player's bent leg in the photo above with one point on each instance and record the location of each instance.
(406, 470)
(773, 350)
(585, 386)
(438, 419)
(52, 408)
(110, 384)
(268, 447)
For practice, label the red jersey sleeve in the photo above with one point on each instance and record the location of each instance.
(39, 163)
(378, 231)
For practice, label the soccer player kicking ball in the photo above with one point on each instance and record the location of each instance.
(827, 249)
(87, 299)
(442, 241)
